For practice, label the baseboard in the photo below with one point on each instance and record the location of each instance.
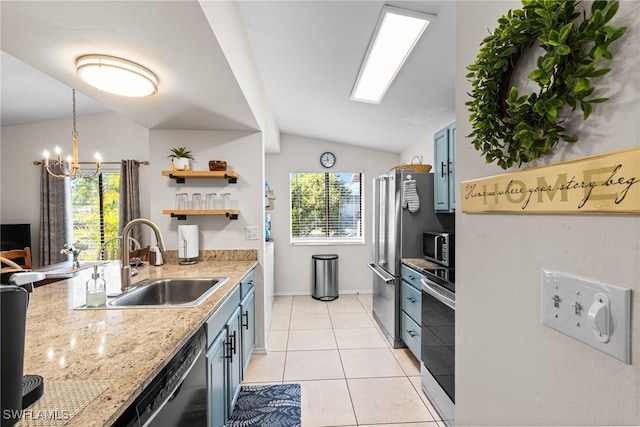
(303, 293)
(259, 350)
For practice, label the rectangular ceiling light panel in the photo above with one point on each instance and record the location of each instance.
(397, 32)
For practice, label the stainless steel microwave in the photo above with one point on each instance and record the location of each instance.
(438, 246)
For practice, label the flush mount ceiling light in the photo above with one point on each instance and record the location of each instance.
(117, 75)
(396, 34)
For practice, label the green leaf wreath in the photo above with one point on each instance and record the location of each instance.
(512, 128)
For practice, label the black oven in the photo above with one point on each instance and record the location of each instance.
(438, 340)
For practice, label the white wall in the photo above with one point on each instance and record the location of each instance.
(241, 151)
(114, 136)
(293, 263)
(510, 368)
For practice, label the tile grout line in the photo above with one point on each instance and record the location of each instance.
(344, 373)
(286, 348)
(405, 372)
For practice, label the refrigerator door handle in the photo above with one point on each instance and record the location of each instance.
(373, 268)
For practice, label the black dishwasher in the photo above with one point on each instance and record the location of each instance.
(178, 395)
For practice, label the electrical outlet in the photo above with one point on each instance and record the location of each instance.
(251, 233)
(596, 313)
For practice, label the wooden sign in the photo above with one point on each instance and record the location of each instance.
(605, 183)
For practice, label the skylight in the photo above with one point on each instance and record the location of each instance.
(397, 33)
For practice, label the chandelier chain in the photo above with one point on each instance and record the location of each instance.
(75, 132)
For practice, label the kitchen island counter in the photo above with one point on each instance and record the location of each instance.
(120, 350)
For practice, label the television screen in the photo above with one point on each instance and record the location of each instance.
(14, 236)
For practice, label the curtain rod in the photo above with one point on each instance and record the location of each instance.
(142, 162)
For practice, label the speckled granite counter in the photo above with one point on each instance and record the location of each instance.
(420, 264)
(125, 347)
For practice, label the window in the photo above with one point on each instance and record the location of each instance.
(95, 210)
(326, 208)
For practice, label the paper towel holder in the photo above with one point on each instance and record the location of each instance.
(187, 261)
(188, 244)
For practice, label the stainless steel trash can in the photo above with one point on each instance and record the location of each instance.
(325, 277)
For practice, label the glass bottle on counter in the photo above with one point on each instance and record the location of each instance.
(96, 290)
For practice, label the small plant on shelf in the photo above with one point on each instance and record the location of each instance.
(180, 157)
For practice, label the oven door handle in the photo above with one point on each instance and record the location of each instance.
(374, 268)
(428, 287)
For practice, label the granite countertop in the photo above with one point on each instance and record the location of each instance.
(420, 264)
(123, 349)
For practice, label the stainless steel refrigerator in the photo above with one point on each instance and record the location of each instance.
(398, 235)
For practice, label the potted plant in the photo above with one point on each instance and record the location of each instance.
(180, 158)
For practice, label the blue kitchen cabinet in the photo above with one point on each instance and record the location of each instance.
(234, 353)
(224, 369)
(217, 390)
(411, 318)
(444, 142)
(230, 342)
(248, 332)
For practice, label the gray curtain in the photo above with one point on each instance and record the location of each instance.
(129, 196)
(55, 217)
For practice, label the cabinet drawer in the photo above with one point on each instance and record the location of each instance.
(412, 301)
(411, 334)
(411, 276)
(246, 284)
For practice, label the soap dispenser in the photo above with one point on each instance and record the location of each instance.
(96, 290)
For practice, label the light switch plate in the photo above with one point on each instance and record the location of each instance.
(251, 233)
(594, 312)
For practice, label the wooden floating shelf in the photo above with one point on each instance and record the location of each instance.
(182, 214)
(180, 176)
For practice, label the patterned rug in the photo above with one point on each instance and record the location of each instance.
(267, 406)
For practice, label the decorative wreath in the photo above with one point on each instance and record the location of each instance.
(511, 128)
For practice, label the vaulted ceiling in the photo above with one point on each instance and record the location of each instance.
(307, 52)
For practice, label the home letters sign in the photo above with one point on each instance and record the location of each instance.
(606, 183)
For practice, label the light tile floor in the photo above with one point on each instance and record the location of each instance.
(349, 374)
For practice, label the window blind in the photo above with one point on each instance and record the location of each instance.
(326, 207)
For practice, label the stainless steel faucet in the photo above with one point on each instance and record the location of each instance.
(125, 272)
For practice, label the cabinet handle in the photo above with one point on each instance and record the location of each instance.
(449, 168)
(245, 315)
(411, 333)
(442, 165)
(234, 341)
(411, 300)
(229, 352)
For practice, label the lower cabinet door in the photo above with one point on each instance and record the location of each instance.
(217, 382)
(248, 307)
(235, 359)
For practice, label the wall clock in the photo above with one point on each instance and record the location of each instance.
(327, 159)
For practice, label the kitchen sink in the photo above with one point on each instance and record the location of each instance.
(168, 293)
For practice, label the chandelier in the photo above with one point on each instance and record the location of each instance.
(58, 168)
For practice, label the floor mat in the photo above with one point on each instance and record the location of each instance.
(267, 406)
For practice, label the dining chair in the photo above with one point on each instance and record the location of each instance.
(18, 254)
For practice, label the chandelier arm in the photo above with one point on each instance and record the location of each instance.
(73, 163)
